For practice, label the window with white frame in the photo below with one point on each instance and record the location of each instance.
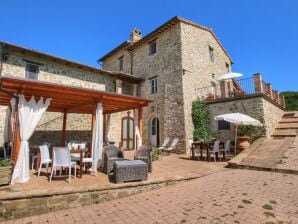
(32, 71)
(153, 83)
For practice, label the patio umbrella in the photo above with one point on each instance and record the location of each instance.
(230, 75)
(238, 119)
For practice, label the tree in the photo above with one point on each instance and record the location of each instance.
(291, 100)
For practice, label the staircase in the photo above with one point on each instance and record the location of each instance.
(287, 126)
(279, 152)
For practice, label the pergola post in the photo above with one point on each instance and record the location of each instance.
(64, 128)
(92, 127)
(16, 137)
(140, 121)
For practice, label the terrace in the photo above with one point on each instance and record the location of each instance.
(233, 88)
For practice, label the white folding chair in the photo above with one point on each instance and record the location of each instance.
(173, 146)
(61, 158)
(44, 157)
(165, 143)
(227, 147)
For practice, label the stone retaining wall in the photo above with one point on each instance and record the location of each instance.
(257, 104)
(28, 206)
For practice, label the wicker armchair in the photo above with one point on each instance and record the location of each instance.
(145, 154)
(110, 155)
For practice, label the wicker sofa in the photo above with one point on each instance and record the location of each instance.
(144, 153)
(111, 153)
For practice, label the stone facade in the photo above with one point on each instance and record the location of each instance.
(78, 125)
(251, 105)
(200, 71)
(181, 64)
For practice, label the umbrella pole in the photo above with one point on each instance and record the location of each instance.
(235, 141)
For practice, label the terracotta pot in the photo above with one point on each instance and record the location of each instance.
(5, 175)
(243, 142)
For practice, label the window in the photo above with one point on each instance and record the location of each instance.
(121, 59)
(32, 71)
(152, 48)
(153, 86)
(211, 54)
(228, 67)
(223, 125)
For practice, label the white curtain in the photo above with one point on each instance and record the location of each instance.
(137, 130)
(107, 127)
(30, 114)
(97, 138)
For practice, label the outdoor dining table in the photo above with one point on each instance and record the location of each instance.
(203, 145)
(72, 151)
(81, 152)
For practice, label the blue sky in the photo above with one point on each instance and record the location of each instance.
(261, 36)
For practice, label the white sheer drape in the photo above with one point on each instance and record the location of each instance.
(107, 128)
(137, 130)
(97, 138)
(30, 114)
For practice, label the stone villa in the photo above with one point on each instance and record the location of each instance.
(173, 65)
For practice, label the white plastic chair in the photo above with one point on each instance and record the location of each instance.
(215, 150)
(76, 156)
(165, 143)
(44, 158)
(61, 158)
(227, 147)
(173, 146)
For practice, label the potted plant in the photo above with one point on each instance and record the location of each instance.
(243, 137)
(5, 171)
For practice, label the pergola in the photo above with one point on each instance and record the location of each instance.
(66, 99)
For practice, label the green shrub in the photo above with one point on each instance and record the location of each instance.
(291, 100)
(6, 162)
(156, 152)
(200, 119)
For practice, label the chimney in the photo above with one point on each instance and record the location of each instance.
(135, 35)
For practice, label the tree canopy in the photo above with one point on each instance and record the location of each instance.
(291, 98)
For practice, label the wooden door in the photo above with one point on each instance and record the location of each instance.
(127, 133)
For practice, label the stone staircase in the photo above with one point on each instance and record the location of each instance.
(279, 152)
(287, 126)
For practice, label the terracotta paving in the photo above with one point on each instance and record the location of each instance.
(173, 167)
(230, 196)
(272, 153)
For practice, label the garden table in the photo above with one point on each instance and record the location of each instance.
(81, 152)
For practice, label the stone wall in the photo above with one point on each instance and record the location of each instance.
(78, 126)
(112, 63)
(272, 115)
(250, 105)
(199, 69)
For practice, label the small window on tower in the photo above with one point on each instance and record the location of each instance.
(32, 71)
(211, 54)
(152, 48)
(121, 60)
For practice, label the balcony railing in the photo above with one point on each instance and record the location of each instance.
(237, 88)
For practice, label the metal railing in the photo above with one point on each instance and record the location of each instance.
(227, 89)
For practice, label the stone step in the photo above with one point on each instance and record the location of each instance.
(284, 133)
(291, 114)
(289, 120)
(287, 126)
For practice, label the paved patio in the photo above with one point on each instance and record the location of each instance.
(230, 196)
(173, 167)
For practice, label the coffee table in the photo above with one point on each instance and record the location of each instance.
(130, 170)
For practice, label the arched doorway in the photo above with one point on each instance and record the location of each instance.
(127, 133)
(154, 131)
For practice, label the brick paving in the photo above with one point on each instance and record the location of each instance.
(230, 196)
